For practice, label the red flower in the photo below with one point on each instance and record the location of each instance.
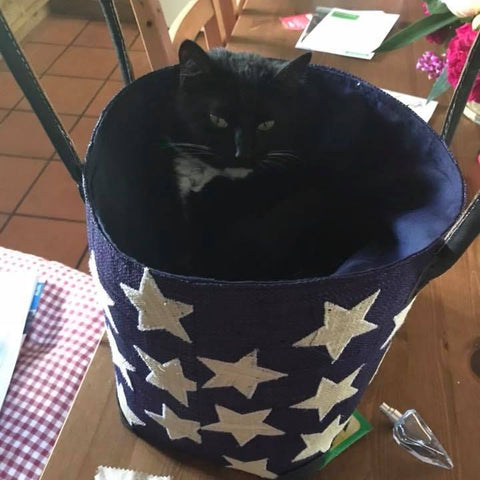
(457, 52)
(440, 35)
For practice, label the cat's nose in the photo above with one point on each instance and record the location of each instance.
(243, 147)
(240, 155)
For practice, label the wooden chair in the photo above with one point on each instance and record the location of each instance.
(238, 6)
(216, 18)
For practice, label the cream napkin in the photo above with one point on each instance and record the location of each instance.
(109, 473)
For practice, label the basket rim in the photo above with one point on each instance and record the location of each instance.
(198, 280)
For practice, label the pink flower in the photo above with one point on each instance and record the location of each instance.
(425, 8)
(457, 52)
(431, 64)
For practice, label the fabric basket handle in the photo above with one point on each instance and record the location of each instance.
(454, 243)
(467, 227)
(28, 82)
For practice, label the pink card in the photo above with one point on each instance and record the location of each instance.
(296, 22)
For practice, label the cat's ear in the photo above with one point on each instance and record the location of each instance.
(193, 59)
(292, 73)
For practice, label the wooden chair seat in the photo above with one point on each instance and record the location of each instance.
(215, 18)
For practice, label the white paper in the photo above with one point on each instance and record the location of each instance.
(351, 33)
(418, 104)
(16, 293)
(109, 473)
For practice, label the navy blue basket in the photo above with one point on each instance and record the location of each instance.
(259, 376)
(254, 375)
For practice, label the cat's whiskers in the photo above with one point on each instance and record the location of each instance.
(278, 159)
(192, 145)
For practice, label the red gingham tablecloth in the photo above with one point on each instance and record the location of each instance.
(52, 363)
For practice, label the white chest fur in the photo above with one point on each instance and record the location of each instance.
(193, 174)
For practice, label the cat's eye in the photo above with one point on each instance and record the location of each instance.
(219, 122)
(266, 126)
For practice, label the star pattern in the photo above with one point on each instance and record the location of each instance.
(153, 312)
(129, 415)
(103, 297)
(168, 376)
(175, 426)
(119, 360)
(329, 394)
(243, 426)
(156, 312)
(320, 442)
(257, 467)
(398, 320)
(243, 375)
(341, 325)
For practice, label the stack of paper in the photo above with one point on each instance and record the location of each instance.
(17, 292)
(423, 108)
(352, 33)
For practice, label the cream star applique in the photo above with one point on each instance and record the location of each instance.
(118, 359)
(176, 427)
(398, 320)
(244, 375)
(103, 297)
(243, 426)
(111, 473)
(156, 312)
(320, 442)
(168, 376)
(329, 394)
(257, 467)
(340, 326)
(131, 418)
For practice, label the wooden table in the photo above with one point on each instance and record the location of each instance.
(429, 364)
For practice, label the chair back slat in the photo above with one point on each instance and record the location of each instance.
(154, 32)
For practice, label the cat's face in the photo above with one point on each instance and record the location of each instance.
(242, 106)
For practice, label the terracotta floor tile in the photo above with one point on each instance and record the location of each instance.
(84, 62)
(57, 30)
(16, 176)
(139, 63)
(67, 95)
(81, 135)
(10, 92)
(3, 113)
(3, 219)
(39, 55)
(68, 121)
(137, 45)
(63, 241)
(21, 134)
(96, 34)
(103, 97)
(54, 195)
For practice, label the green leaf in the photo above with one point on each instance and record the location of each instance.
(417, 30)
(436, 6)
(441, 85)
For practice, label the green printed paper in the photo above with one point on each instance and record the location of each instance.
(356, 428)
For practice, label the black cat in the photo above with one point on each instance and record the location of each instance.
(252, 197)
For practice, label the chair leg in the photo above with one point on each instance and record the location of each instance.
(225, 13)
(212, 34)
(154, 32)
